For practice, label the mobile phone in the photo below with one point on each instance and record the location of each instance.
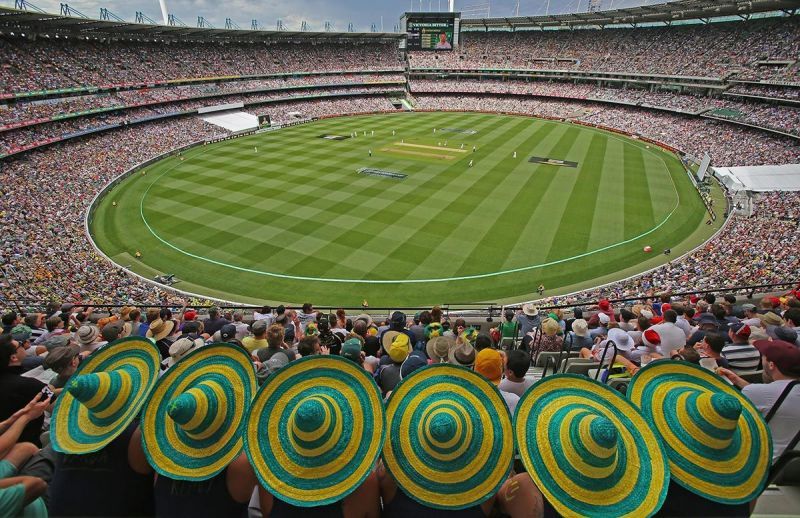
(46, 392)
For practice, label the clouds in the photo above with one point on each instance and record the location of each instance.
(362, 13)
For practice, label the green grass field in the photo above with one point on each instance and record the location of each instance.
(296, 221)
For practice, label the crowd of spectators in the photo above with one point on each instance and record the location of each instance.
(766, 90)
(714, 50)
(729, 145)
(44, 64)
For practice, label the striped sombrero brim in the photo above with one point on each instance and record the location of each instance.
(192, 424)
(626, 477)
(450, 440)
(315, 430)
(113, 383)
(687, 406)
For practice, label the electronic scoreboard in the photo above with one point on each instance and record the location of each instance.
(431, 31)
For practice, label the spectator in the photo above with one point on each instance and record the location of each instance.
(517, 364)
(489, 363)
(259, 338)
(741, 356)
(275, 344)
(214, 322)
(17, 390)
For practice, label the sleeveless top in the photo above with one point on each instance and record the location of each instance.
(281, 509)
(101, 483)
(403, 506)
(196, 499)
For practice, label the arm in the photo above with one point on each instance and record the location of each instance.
(136, 457)
(16, 423)
(732, 377)
(241, 479)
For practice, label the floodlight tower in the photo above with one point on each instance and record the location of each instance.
(163, 4)
(452, 6)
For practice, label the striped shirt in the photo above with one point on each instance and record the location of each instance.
(742, 357)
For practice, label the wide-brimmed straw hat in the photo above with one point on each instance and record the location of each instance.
(315, 430)
(104, 395)
(439, 348)
(589, 450)
(717, 443)
(450, 443)
(193, 421)
(530, 310)
(160, 329)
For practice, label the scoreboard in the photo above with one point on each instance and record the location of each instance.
(431, 31)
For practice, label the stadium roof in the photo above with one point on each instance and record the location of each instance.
(32, 22)
(659, 13)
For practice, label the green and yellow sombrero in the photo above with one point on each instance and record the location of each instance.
(717, 443)
(104, 395)
(193, 421)
(589, 450)
(315, 430)
(450, 440)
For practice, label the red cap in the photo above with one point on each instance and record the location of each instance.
(651, 337)
(693, 299)
(665, 307)
(784, 355)
(604, 305)
(776, 302)
(656, 320)
(189, 315)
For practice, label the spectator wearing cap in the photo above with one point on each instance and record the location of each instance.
(388, 376)
(351, 349)
(17, 390)
(159, 332)
(259, 338)
(227, 334)
(742, 357)
(750, 314)
(489, 364)
(603, 307)
(22, 334)
(517, 364)
(711, 347)
(769, 321)
(113, 331)
(64, 362)
(214, 322)
(463, 353)
(397, 324)
(579, 337)
(416, 360)
(600, 321)
(331, 339)
(706, 323)
(781, 364)
(275, 344)
(672, 336)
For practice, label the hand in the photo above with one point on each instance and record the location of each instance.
(324, 350)
(34, 409)
(725, 373)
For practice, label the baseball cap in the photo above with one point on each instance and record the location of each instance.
(259, 326)
(228, 332)
(604, 304)
(489, 363)
(275, 363)
(415, 360)
(351, 350)
(21, 333)
(399, 318)
(786, 334)
(740, 329)
(604, 319)
(748, 307)
(784, 355)
(771, 319)
(189, 315)
(707, 318)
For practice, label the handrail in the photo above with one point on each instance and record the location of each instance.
(609, 343)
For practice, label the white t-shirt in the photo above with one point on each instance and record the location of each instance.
(515, 387)
(786, 421)
(672, 337)
(511, 400)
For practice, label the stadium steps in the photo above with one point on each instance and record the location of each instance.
(407, 105)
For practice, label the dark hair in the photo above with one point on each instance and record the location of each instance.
(687, 354)
(425, 318)
(483, 341)
(348, 325)
(643, 323)
(792, 314)
(679, 309)
(718, 311)
(716, 341)
(371, 347)
(307, 307)
(165, 314)
(730, 298)
(436, 314)
(360, 328)
(191, 327)
(6, 351)
(52, 323)
(670, 316)
(626, 314)
(460, 322)
(509, 315)
(306, 345)
(710, 298)
(689, 312)
(577, 313)
(134, 315)
(30, 320)
(665, 297)
(265, 310)
(9, 318)
(518, 362)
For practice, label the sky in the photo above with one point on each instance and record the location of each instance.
(361, 13)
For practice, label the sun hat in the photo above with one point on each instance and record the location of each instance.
(450, 444)
(351, 350)
(160, 329)
(315, 430)
(580, 327)
(400, 348)
(433, 330)
(785, 355)
(21, 333)
(193, 421)
(124, 312)
(462, 354)
(589, 450)
(489, 363)
(530, 310)
(86, 335)
(770, 319)
(439, 347)
(104, 395)
(717, 443)
(623, 340)
(181, 348)
(550, 327)
(61, 357)
(366, 318)
(387, 337)
(603, 318)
